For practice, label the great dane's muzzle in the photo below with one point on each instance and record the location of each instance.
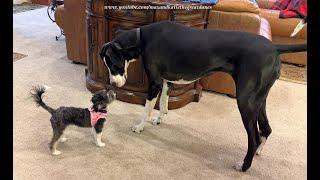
(117, 80)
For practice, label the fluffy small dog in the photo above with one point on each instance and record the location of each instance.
(83, 117)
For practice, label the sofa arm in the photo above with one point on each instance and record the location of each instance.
(266, 4)
(237, 6)
(283, 27)
(239, 21)
(58, 15)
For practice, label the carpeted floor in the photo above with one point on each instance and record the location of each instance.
(199, 141)
(17, 8)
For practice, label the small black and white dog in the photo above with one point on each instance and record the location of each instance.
(83, 117)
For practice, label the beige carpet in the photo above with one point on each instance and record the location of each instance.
(199, 141)
(25, 6)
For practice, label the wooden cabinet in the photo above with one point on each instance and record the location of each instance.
(102, 26)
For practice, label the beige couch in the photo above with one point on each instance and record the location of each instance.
(281, 30)
(239, 15)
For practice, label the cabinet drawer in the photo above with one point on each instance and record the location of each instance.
(131, 15)
(138, 15)
(115, 26)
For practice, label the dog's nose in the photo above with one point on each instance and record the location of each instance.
(113, 93)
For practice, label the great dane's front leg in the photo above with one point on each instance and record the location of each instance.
(150, 103)
(164, 98)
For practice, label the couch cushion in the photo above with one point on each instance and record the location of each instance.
(265, 29)
(239, 21)
(237, 6)
(295, 58)
(266, 4)
(283, 27)
(220, 82)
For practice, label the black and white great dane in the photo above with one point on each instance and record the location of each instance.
(174, 53)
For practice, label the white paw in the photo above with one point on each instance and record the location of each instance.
(238, 166)
(258, 152)
(263, 142)
(156, 120)
(137, 129)
(101, 144)
(56, 153)
(64, 139)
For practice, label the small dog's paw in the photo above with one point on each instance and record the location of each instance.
(101, 144)
(56, 153)
(64, 139)
(238, 166)
(156, 120)
(137, 129)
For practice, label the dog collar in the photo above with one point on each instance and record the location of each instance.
(95, 116)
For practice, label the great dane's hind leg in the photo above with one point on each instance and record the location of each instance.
(252, 91)
(252, 104)
(164, 98)
(249, 99)
(249, 114)
(264, 127)
(152, 96)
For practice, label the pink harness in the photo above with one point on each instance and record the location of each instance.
(95, 116)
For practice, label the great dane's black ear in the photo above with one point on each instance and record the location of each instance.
(115, 56)
(111, 50)
(119, 32)
(104, 49)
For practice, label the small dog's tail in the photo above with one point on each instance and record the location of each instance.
(37, 97)
(287, 48)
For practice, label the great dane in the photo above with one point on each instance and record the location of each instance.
(174, 53)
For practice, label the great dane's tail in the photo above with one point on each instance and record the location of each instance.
(284, 48)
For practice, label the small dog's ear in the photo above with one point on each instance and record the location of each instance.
(103, 50)
(95, 98)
